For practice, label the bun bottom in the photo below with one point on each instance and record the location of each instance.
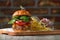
(17, 28)
(14, 28)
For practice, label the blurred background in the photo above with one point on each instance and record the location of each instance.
(42, 8)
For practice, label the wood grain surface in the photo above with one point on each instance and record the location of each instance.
(55, 32)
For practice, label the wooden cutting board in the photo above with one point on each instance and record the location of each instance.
(9, 31)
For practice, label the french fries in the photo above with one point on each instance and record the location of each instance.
(37, 26)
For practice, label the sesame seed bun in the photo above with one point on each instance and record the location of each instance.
(21, 12)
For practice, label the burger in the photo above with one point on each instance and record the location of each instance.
(20, 20)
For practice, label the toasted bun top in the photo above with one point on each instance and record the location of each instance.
(21, 12)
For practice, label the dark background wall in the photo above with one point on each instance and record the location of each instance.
(41, 8)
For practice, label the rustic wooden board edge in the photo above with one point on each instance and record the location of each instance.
(55, 32)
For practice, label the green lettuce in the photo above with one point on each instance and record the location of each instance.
(13, 20)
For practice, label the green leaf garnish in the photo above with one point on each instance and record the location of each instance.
(13, 20)
(24, 18)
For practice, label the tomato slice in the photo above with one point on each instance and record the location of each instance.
(20, 23)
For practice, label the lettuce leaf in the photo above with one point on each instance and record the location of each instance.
(13, 20)
(24, 18)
